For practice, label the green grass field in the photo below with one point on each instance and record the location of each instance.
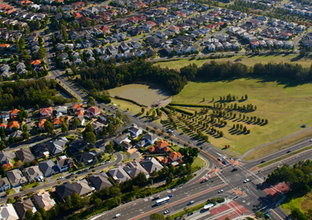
(303, 203)
(286, 108)
(248, 60)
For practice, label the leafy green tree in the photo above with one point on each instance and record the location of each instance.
(89, 137)
(29, 214)
(75, 123)
(296, 214)
(91, 101)
(48, 127)
(64, 128)
(157, 216)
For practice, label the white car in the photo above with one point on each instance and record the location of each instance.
(117, 215)
(166, 212)
(246, 180)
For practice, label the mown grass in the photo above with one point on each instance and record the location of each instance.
(247, 60)
(285, 108)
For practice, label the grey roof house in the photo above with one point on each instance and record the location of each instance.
(99, 181)
(16, 178)
(48, 168)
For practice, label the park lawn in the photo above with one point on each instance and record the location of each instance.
(286, 108)
(126, 106)
(247, 60)
(303, 203)
(198, 163)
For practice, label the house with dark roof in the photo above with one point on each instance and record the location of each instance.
(24, 155)
(118, 174)
(64, 163)
(57, 146)
(80, 187)
(16, 178)
(134, 168)
(40, 150)
(48, 168)
(150, 138)
(22, 207)
(150, 164)
(4, 184)
(77, 146)
(135, 131)
(86, 157)
(99, 181)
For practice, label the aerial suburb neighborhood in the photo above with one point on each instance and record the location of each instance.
(155, 109)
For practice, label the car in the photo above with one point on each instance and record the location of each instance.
(190, 202)
(60, 178)
(169, 130)
(219, 159)
(311, 140)
(220, 191)
(170, 195)
(288, 151)
(234, 169)
(204, 180)
(262, 161)
(303, 126)
(166, 212)
(117, 215)
(224, 162)
(246, 180)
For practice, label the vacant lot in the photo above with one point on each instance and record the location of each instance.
(248, 60)
(143, 94)
(286, 108)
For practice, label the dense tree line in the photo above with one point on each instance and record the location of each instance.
(106, 76)
(29, 94)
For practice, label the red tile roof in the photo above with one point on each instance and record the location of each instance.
(174, 156)
(14, 112)
(35, 62)
(46, 111)
(13, 124)
(41, 123)
(161, 144)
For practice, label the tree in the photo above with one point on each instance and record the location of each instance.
(37, 216)
(296, 214)
(98, 203)
(142, 110)
(64, 128)
(75, 123)
(48, 127)
(89, 137)
(29, 214)
(157, 216)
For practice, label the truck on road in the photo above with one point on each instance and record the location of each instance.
(208, 206)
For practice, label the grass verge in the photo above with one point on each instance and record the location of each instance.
(285, 156)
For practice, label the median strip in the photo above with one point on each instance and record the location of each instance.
(285, 156)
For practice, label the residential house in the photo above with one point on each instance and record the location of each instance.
(77, 146)
(21, 208)
(119, 174)
(25, 155)
(135, 131)
(93, 111)
(16, 178)
(151, 165)
(57, 122)
(99, 181)
(126, 145)
(149, 138)
(4, 184)
(86, 157)
(160, 146)
(33, 173)
(6, 157)
(7, 212)
(43, 199)
(48, 168)
(80, 187)
(122, 138)
(14, 113)
(61, 110)
(40, 150)
(175, 157)
(41, 123)
(134, 168)
(46, 112)
(97, 127)
(57, 146)
(64, 163)
(12, 124)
